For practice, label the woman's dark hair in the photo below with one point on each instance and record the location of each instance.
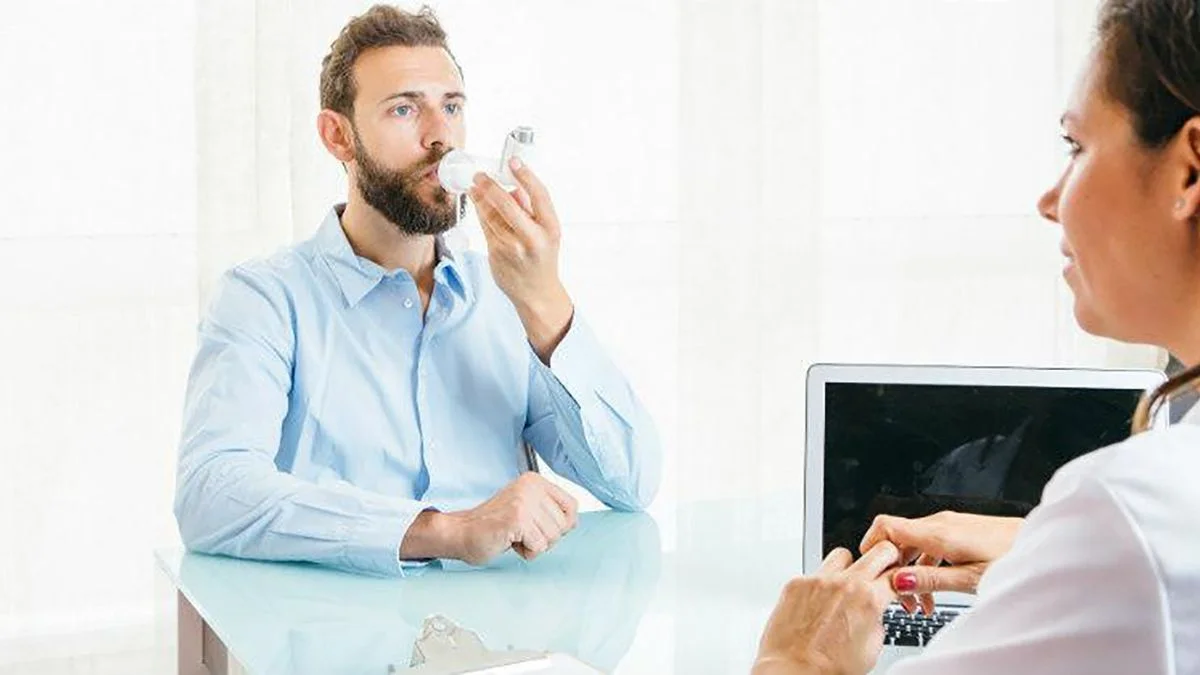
(1151, 51)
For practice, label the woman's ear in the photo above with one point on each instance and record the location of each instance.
(336, 134)
(1187, 202)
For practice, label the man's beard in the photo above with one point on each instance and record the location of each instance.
(394, 194)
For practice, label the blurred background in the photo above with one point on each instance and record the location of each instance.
(747, 188)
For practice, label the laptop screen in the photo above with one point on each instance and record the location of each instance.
(913, 450)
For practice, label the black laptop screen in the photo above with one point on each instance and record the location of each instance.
(913, 450)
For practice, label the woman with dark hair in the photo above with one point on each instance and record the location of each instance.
(1104, 575)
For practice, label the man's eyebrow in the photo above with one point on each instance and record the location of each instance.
(420, 96)
(414, 95)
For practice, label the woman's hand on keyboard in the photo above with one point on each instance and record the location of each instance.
(947, 551)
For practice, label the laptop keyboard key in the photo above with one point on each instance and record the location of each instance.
(908, 640)
(902, 629)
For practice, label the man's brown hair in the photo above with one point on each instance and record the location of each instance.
(380, 26)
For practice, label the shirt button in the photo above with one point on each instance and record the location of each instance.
(408, 303)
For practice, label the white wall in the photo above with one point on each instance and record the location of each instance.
(858, 183)
(97, 294)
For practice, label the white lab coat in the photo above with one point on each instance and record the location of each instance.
(1104, 576)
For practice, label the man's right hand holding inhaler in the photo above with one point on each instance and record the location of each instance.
(529, 516)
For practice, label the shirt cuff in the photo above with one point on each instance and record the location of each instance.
(375, 546)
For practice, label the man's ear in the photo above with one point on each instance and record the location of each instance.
(336, 134)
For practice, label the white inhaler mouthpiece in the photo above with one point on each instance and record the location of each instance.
(457, 169)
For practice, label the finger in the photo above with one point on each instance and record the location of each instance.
(568, 504)
(524, 552)
(545, 514)
(534, 541)
(884, 593)
(837, 560)
(875, 561)
(920, 579)
(494, 226)
(909, 603)
(547, 528)
(539, 197)
(928, 606)
(506, 207)
(554, 519)
(522, 198)
(926, 599)
(902, 532)
(494, 237)
(909, 555)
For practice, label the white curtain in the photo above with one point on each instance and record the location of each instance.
(747, 188)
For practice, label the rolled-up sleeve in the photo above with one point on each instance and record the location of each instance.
(586, 422)
(230, 497)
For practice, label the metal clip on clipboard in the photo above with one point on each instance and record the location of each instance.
(445, 648)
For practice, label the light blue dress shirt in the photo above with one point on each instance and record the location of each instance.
(324, 413)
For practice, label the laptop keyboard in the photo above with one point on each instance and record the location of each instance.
(913, 630)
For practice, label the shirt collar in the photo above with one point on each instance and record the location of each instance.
(449, 271)
(357, 276)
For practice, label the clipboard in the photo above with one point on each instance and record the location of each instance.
(445, 648)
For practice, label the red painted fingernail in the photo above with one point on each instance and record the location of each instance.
(904, 582)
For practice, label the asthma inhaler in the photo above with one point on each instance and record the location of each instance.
(519, 144)
(457, 170)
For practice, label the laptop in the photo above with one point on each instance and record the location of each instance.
(914, 440)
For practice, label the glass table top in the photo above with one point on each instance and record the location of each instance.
(613, 594)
